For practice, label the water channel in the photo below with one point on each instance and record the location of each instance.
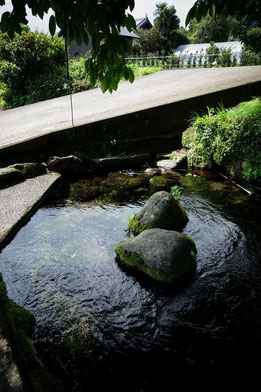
(102, 327)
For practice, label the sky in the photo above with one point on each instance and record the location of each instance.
(142, 7)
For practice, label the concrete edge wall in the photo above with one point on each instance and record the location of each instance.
(153, 130)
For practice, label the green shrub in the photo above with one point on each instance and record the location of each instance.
(248, 57)
(26, 60)
(225, 136)
(252, 40)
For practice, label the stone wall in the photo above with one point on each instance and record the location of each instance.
(153, 130)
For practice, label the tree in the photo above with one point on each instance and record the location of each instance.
(252, 40)
(215, 29)
(152, 41)
(247, 10)
(166, 19)
(103, 19)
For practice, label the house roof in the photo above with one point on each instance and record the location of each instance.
(142, 22)
(235, 46)
(125, 33)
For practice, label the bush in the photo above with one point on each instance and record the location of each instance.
(248, 57)
(152, 41)
(252, 40)
(227, 136)
(25, 61)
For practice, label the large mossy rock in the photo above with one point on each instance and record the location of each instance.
(161, 211)
(167, 256)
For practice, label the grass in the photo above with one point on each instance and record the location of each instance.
(142, 71)
(223, 137)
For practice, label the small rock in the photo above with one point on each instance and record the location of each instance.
(116, 162)
(180, 159)
(167, 256)
(9, 175)
(70, 165)
(161, 211)
(151, 172)
(166, 164)
(29, 170)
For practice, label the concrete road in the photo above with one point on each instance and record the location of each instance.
(28, 122)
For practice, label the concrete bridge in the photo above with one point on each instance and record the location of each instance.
(148, 115)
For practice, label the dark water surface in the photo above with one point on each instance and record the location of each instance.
(101, 327)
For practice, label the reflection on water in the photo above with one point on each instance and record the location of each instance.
(61, 267)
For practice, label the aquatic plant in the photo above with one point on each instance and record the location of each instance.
(176, 192)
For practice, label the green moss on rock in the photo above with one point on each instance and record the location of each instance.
(17, 325)
(135, 261)
(117, 187)
(160, 183)
(136, 227)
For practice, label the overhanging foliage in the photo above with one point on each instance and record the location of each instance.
(103, 19)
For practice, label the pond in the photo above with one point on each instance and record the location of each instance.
(99, 326)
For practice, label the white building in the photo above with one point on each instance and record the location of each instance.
(197, 50)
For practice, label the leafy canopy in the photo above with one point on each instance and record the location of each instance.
(247, 10)
(103, 19)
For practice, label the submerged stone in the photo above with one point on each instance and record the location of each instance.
(166, 256)
(161, 211)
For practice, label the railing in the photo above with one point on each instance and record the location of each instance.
(189, 60)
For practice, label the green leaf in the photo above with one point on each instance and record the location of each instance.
(91, 24)
(130, 22)
(131, 4)
(131, 75)
(5, 20)
(78, 38)
(96, 40)
(52, 25)
(104, 85)
(126, 72)
(114, 84)
(190, 15)
(85, 37)
(88, 63)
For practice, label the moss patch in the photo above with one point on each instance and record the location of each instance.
(117, 187)
(17, 325)
(136, 227)
(161, 183)
(134, 260)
